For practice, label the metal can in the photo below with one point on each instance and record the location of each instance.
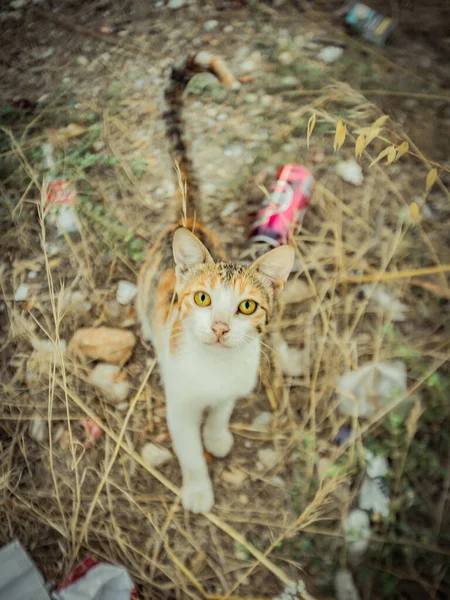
(283, 212)
(369, 24)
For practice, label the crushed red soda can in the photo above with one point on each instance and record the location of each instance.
(61, 201)
(283, 212)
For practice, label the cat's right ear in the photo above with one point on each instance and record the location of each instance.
(188, 251)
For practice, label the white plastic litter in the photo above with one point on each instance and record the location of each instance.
(154, 456)
(364, 391)
(21, 292)
(126, 291)
(345, 586)
(350, 171)
(105, 377)
(357, 531)
(385, 298)
(102, 582)
(64, 216)
(374, 493)
(330, 54)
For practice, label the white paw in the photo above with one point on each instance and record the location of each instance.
(218, 444)
(197, 496)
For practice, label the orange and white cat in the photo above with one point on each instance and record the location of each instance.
(204, 316)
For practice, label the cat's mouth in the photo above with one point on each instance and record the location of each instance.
(217, 344)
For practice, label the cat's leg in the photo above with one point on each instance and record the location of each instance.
(184, 422)
(217, 437)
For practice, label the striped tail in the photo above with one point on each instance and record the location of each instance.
(180, 75)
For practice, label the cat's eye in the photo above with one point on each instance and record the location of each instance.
(247, 307)
(202, 299)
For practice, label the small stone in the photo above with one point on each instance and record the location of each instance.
(154, 456)
(286, 58)
(248, 444)
(229, 209)
(83, 61)
(241, 555)
(32, 275)
(289, 80)
(106, 56)
(98, 145)
(251, 98)
(228, 29)
(278, 481)
(266, 100)
(21, 292)
(234, 476)
(110, 380)
(16, 4)
(210, 188)
(268, 457)
(330, 54)
(210, 25)
(38, 430)
(176, 4)
(126, 291)
(248, 66)
(233, 150)
(263, 420)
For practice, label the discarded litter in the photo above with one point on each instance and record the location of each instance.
(126, 291)
(357, 531)
(369, 24)
(386, 299)
(103, 343)
(364, 391)
(290, 359)
(343, 435)
(374, 492)
(92, 429)
(350, 171)
(330, 54)
(345, 586)
(61, 200)
(283, 212)
(111, 381)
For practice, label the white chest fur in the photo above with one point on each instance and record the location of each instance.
(210, 376)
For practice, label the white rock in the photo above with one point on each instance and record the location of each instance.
(83, 61)
(175, 4)
(16, 4)
(32, 275)
(251, 98)
(386, 299)
(268, 457)
(210, 25)
(64, 216)
(357, 531)
(21, 292)
(286, 58)
(263, 420)
(364, 391)
(330, 54)
(154, 456)
(345, 586)
(104, 377)
(126, 291)
(228, 28)
(38, 430)
(350, 171)
(289, 80)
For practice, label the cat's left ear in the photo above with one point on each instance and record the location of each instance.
(188, 251)
(276, 265)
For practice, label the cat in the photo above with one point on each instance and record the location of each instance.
(203, 315)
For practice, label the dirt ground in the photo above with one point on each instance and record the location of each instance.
(86, 79)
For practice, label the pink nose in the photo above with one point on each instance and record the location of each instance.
(220, 329)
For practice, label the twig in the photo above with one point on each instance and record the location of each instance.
(397, 275)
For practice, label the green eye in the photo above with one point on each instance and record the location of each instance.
(247, 307)
(202, 299)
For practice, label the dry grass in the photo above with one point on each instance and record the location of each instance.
(66, 497)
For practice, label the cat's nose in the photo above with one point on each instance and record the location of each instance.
(220, 329)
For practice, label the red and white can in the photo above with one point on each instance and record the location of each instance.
(283, 212)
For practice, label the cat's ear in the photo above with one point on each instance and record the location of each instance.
(188, 251)
(276, 265)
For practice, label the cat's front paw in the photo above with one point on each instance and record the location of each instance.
(197, 495)
(218, 444)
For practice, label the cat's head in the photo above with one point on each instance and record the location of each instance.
(222, 304)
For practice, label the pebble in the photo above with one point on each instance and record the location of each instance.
(210, 25)
(16, 4)
(210, 188)
(154, 456)
(248, 66)
(263, 420)
(266, 100)
(126, 291)
(286, 58)
(21, 292)
(98, 145)
(241, 554)
(83, 61)
(251, 98)
(105, 377)
(330, 54)
(268, 457)
(106, 56)
(228, 29)
(32, 275)
(289, 80)
(234, 477)
(38, 430)
(243, 499)
(176, 4)
(233, 150)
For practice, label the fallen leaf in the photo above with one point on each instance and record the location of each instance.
(382, 154)
(372, 134)
(310, 127)
(391, 155)
(379, 122)
(339, 137)
(431, 178)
